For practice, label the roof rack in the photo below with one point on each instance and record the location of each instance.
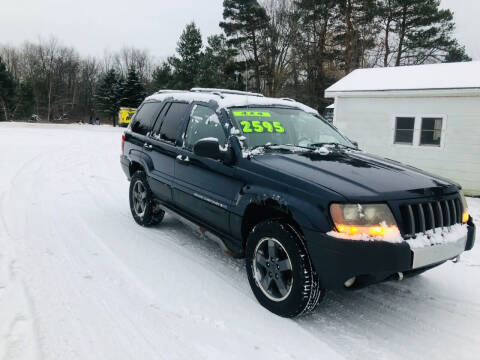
(225, 91)
(288, 99)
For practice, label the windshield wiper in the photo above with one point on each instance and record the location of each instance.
(336, 145)
(287, 147)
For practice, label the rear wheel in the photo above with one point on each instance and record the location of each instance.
(142, 205)
(279, 270)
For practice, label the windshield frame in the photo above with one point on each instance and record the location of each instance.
(234, 124)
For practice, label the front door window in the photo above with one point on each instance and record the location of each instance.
(204, 123)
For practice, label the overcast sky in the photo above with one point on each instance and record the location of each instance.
(95, 26)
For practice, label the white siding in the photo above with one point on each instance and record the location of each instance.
(370, 121)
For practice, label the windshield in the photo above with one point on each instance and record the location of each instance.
(263, 126)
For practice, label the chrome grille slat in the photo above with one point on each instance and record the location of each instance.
(458, 206)
(421, 217)
(447, 213)
(454, 211)
(432, 216)
(411, 220)
(440, 214)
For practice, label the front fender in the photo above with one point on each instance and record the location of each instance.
(305, 212)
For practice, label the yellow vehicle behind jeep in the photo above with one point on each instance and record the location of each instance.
(124, 115)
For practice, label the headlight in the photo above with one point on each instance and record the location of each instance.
(356, 221)
(465, 214)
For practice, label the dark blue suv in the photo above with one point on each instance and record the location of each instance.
(271, 181)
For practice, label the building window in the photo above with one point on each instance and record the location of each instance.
(431, 132)
(404, 130)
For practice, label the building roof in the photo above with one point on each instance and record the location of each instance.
(451, 76)
(227, 98)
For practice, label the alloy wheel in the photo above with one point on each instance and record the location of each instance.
(139, 198)
(273, 269)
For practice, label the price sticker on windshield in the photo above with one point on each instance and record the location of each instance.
(252, 114)
(261, 126)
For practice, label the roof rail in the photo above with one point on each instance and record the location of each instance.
(163, 91)
(225, 91)
(288, 99)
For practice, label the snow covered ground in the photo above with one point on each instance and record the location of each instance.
(80, 280)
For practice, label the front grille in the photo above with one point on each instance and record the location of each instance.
(420, 217)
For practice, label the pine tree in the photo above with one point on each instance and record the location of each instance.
(162, 77)
(186, 66)
(25, 100)
(133, 91)
(457, 53)
(315, 51)
(243, 22)
(7, 91)
(109, 94)
(424, 31)
(354, 31)
(416, 32)
(218, 67)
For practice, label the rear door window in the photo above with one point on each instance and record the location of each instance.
(158, 124)
(171, 122)
(145, 117)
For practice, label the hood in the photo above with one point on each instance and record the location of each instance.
(357, 175)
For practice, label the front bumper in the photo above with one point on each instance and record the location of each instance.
(337, 260)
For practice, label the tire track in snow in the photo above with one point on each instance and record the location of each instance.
(110, 289)
(18, 335)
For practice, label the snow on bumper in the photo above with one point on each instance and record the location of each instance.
(437, 246)
(431, 247)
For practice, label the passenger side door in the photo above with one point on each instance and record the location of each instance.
(162, 142)
(136, 138)
(205, 188)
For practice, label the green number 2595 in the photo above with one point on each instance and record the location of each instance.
(262, 126)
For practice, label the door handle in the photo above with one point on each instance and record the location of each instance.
(183, 159)
(148, 147)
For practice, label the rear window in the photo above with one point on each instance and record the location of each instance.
(172, 120)
(145, 117)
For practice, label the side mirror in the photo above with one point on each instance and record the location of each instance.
(209, 148)
(355, 143)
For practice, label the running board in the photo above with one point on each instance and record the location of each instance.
(204, 231)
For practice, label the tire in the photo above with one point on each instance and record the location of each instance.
(148, 212)
(300, 292)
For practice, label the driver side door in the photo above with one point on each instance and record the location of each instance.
(205, 188)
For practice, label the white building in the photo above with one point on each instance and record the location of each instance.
(427, 116)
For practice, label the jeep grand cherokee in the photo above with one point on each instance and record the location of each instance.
(271, 181)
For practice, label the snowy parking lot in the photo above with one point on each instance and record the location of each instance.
(79, 279)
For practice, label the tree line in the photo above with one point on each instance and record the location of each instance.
(282, 48)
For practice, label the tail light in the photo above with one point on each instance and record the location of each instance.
(123, 142)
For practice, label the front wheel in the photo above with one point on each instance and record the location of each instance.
(279, 269)
(142, 205)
